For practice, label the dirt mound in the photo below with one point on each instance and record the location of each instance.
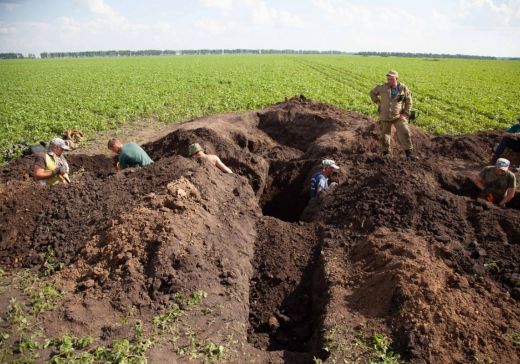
(401, 248)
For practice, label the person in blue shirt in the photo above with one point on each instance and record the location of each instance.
(320, 180)
(510, 141)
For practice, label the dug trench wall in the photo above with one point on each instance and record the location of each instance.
(398, 247)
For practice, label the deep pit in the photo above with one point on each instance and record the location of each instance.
(399, 247)
(283, 315)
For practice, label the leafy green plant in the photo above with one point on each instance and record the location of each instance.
(212, 351)
(44, 297)
(171, 314)
(482, 360)
(130, 311)
(50, 264)
(66, 347)
(382, 353)
(196, 297)
(515, 337)
(3, 337)
(124, 351)
(15, 314)
(492, 266)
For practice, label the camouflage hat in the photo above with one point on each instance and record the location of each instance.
(194, 148)
(393, 73)
(60, 143)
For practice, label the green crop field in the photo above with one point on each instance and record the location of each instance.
(41, 98)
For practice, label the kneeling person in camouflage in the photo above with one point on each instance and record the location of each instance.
(497, 182)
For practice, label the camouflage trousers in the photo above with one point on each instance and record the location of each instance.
(403, 134)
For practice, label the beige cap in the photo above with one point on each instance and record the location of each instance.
(393, 73)
(329, 163)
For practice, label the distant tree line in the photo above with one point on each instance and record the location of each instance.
(11, 55)
(15, 56)
(155, 52)
(425, 55)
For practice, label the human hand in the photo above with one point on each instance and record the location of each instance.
(59, 171)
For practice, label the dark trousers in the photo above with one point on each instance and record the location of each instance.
(506, 142)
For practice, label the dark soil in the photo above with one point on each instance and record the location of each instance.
(398, 246)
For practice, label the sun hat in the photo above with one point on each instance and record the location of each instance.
(194, 148)
(329, 163)
(503, 164)
(58, 142)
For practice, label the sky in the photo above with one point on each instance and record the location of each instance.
(473, 27)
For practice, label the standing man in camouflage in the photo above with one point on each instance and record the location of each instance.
(394, 102)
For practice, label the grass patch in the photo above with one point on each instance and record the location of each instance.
(25, 342)
(346, 346)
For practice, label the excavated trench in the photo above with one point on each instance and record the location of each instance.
(286, 196)
(285, 312)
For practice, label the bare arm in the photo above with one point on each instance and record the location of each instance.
(40, 173)
(222, 166)
(510, 193)
(479, 183)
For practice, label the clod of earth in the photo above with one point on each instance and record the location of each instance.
(397, 247)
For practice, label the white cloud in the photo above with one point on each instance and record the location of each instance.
(7, 6)
(69, 25)
(367, 15)
(99, 7)
(489, 13)
(211, 26)
(263, 15)
(218, 4)
(7, 29)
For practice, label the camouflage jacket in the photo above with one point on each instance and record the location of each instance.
(391, 108)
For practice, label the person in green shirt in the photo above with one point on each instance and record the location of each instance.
(510, 141)
(497, 183)
(129, 154)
